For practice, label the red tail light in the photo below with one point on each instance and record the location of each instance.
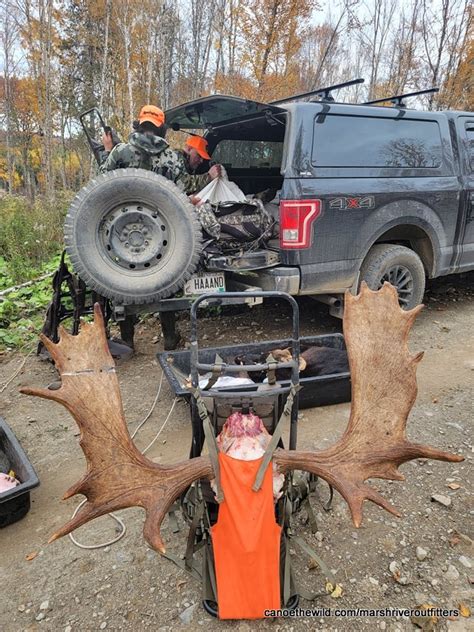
(296, 222)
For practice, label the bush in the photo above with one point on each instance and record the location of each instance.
(30, 235)
(31, 242)
(22, 311)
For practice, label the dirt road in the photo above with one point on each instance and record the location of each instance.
(128, 587)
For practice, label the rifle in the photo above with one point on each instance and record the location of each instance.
(96, 146)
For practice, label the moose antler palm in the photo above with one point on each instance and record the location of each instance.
(118, 475)
(373, 445)
(383, 377)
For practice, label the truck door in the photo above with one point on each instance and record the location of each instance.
(465, 127)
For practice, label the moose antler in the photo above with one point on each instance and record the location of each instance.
(118, 475)
(373, 445)
(383, 375)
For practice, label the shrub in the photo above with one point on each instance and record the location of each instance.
(30, 235)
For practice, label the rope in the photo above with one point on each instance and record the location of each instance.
(164, 424)
(98, 546)
(147, 416)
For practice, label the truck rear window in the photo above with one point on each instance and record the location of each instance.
(356, 141)
(243, 154)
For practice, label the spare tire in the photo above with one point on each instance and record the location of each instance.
(133, 236)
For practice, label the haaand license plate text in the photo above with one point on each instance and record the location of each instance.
(204, 283)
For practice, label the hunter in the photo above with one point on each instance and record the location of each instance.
(148, 149)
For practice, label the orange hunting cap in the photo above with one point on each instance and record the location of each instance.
(200, 145)
(152, 114)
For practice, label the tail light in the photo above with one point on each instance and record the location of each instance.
(296, 222)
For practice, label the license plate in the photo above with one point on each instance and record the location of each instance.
(205, 283)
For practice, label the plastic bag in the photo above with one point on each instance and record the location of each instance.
(220, 190)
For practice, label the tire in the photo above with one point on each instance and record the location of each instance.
(398, 265)
(133, 236)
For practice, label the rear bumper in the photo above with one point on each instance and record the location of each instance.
(280, 279)
(334, 277)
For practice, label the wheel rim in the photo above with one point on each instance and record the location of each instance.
(135, 237)
(402, 279)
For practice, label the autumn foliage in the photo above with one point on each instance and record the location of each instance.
(62, 57)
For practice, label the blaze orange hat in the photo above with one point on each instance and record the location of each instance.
(152, 114)
(200, 145)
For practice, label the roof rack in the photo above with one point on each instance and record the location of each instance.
(323, 93)
(398, 99)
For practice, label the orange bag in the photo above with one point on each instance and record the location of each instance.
(246, 542)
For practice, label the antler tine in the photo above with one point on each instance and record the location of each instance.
(117, 475)
(384, 390)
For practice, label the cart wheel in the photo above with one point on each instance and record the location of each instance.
(210, 607)
(292, 602)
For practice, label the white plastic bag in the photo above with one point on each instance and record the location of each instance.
(220, 190)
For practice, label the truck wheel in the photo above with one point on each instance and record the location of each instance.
(398, 265)
(133, 236)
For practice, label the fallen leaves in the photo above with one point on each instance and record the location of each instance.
(334, 590)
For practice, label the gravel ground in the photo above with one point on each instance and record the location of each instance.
(424, 557)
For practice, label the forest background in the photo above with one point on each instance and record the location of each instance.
(61, 57)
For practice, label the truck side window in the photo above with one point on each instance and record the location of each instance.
(470, 143)
(356, 141)
(243, 154)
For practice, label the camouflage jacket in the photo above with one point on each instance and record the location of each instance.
(154, 154)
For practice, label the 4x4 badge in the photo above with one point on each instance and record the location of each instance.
(345, 203)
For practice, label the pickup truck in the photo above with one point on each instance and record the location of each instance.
(359, 193)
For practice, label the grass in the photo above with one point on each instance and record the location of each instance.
(31, 242)
(30, 235)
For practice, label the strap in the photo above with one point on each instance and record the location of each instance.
(211, 442)
(210, 568)
(272, 367)
(216, 372)
(275, 438)
(190, 548)
(208, 574)
(193, 571)
(311, 516)
(287, 575)
(312, 554)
